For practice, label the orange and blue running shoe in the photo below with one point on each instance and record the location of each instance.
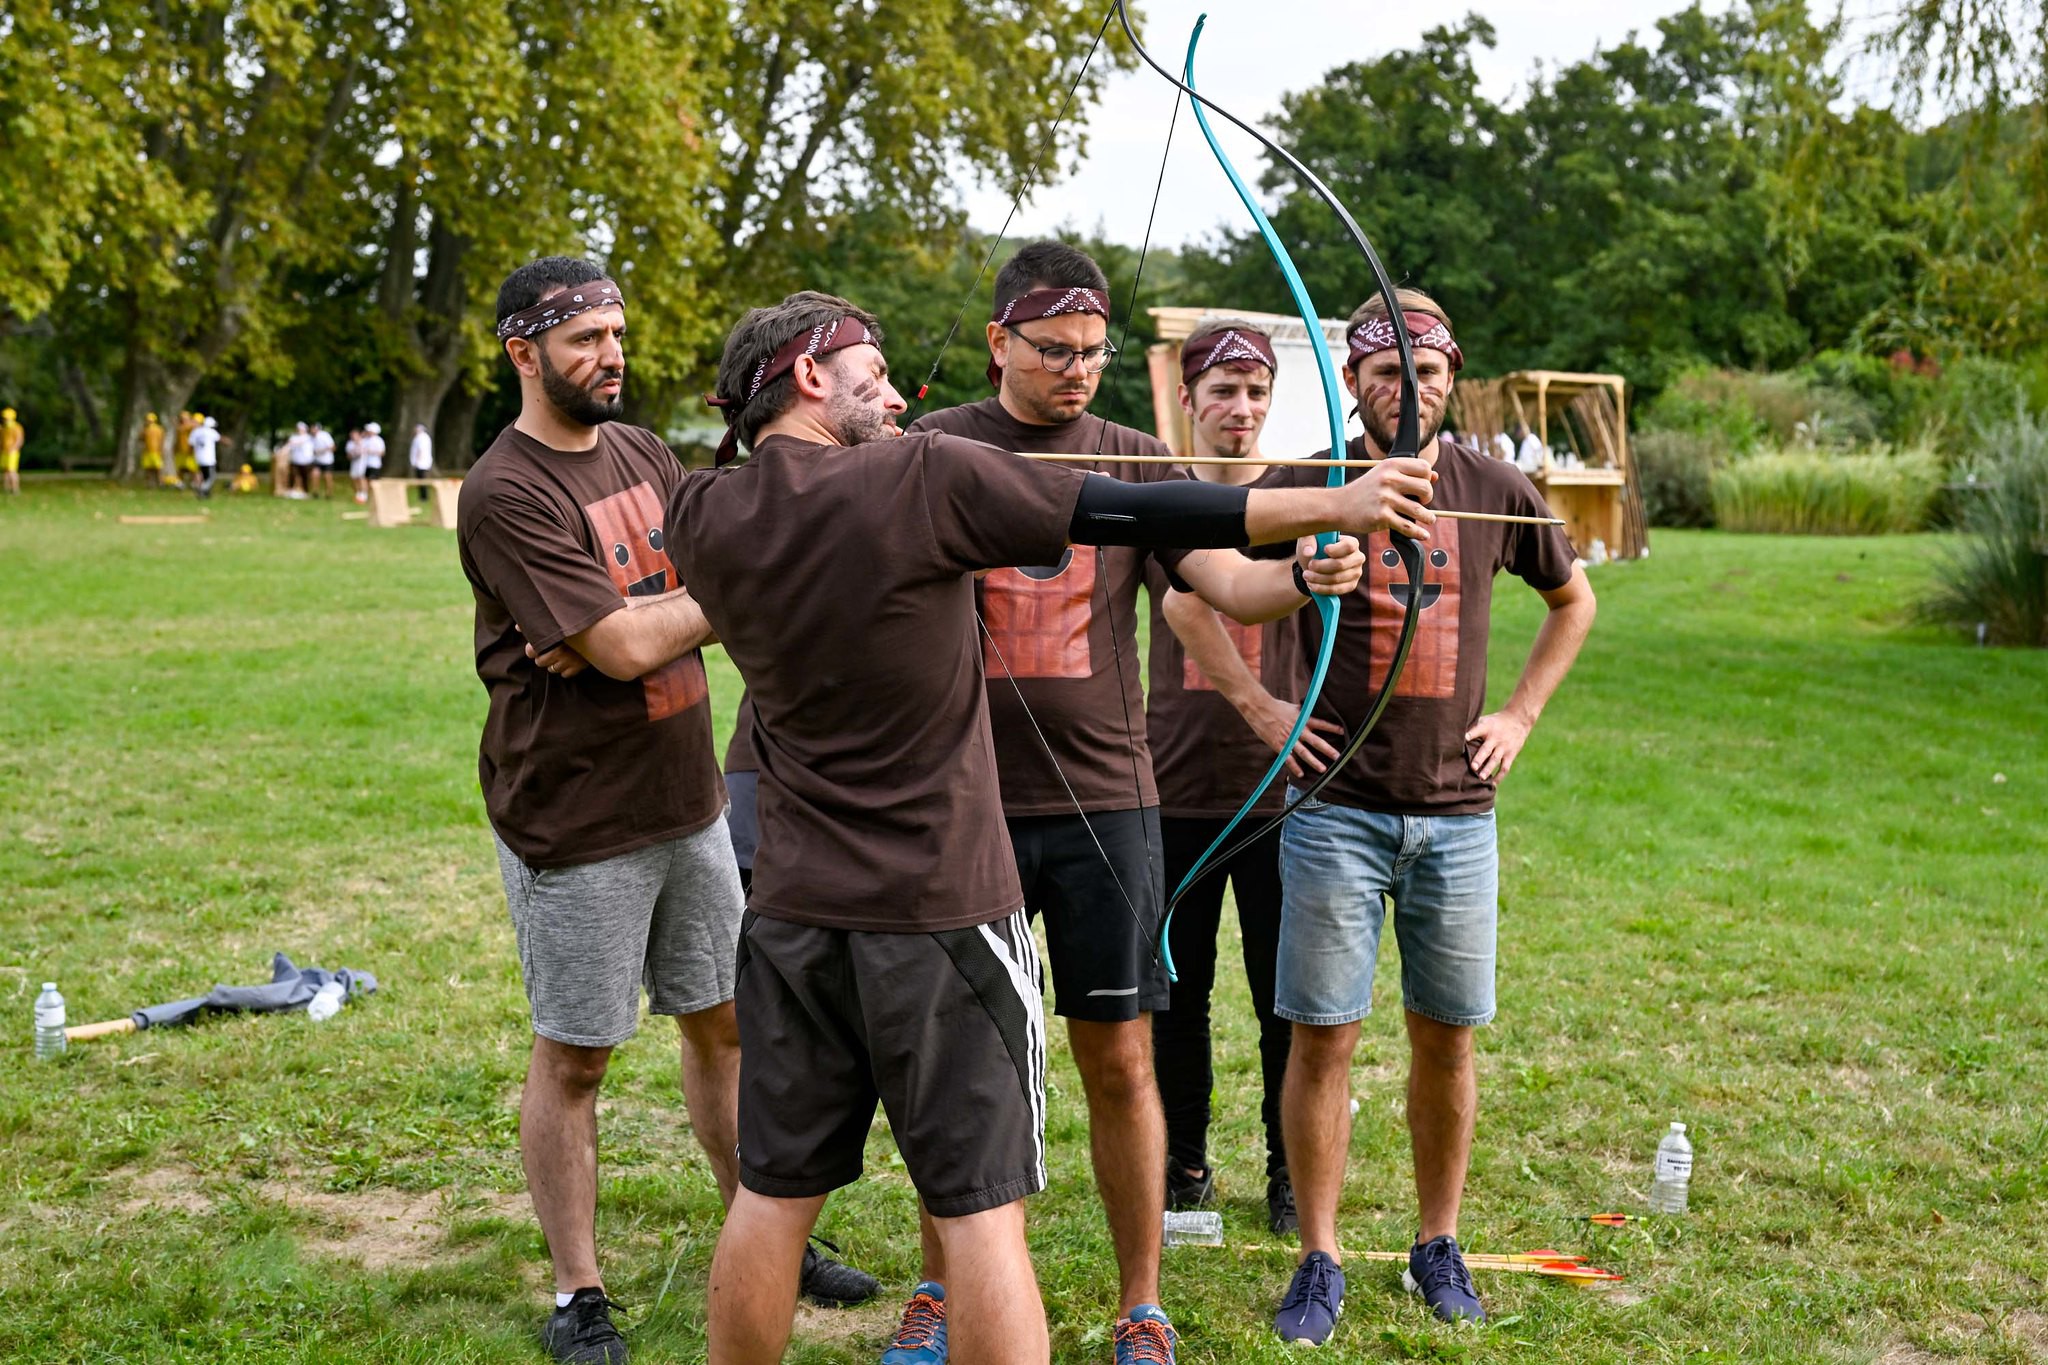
(921, 1337)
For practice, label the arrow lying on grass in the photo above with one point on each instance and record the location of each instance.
(1556, 1264)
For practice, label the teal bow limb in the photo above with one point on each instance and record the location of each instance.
(1326, 607)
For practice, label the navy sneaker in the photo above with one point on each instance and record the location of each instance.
(1314, 1299)
(1145, 1337)
(921, 1337)
(1436, 1270)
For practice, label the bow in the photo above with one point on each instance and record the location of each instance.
(1406, 442)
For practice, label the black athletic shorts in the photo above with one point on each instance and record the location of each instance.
(1105, 958)
(946, 1030)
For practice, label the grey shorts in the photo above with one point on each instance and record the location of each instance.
(666, 917)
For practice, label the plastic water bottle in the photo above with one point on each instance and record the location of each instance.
(49, 1022)
(1193, 1228)
(326, 1002)
(1673, 1172)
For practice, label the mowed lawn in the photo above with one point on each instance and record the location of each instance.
(1773, 864)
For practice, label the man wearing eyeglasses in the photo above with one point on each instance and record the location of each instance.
(1061, 657)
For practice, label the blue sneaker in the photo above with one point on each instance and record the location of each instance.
(1315, 1297)
(1145, 1337)
(1436, 1270)
(921, 1337)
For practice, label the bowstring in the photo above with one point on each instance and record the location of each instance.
(1116, 653)
(1017, 202)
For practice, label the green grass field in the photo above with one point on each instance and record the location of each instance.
(1773, 864)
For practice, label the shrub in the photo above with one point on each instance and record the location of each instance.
(1676, 471)
(1996, 578)
(1897, 400)
(1746, 411)
(1818, 494)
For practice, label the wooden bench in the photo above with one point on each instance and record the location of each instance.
(391, 501)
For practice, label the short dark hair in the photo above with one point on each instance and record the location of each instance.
(756, 339)
(535, 280)
(1047, 265)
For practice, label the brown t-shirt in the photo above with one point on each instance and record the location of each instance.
(739, 750)
(1205, 757)
(1053, 635)
(579, 769)
(1414, 762)
(840, 580)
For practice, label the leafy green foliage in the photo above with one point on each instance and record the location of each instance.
(1813, 493)
(1996, 578)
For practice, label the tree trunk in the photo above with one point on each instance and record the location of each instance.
(148, 386)
(88, 405)
(455, 428)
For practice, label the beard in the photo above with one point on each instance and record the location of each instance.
(857, 420)
(577, 403)
(1382, 433)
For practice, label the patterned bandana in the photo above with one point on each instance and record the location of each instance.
(560, 307)
(827, 337)
(1424, 332)
(1045, 303)
(1226, 346)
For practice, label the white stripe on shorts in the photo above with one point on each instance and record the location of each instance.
(1018, 952)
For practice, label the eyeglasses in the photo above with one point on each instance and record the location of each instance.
(1060, 359)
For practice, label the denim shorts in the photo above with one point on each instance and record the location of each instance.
(1339, 868)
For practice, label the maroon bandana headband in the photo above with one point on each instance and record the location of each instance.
(1045, 303)
(1424, 333)
(1241, 350)
(827, 337)
(559, 307)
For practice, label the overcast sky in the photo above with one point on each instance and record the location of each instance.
(1253, 52)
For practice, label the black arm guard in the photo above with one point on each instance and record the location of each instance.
(1178, 514)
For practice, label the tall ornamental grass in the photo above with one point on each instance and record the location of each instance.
(1832, 495)
(1996, 577)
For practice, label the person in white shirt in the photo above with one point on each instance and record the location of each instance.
(357, 471)
(421, 456)
(372, 447)
(299, 450)
(204, 439)
(323, 460)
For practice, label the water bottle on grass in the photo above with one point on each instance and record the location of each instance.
(1193, 1228)
(1673, 1173)
(326, 1002)
(49, 1022)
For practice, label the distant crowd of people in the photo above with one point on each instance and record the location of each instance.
(303, 467)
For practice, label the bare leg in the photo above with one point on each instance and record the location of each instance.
(934, 1245)
(752, 1299)
(1127, 1140)
(711, 1089)
(1315, 1124)
(558, 1144)
(1443, 1107)
(993, 1310)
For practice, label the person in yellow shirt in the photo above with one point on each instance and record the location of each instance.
(11, 439)
(181, 450)
(152, 450)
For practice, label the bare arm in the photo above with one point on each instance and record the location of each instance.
(1194, 624)
(1253, 591)
(650, 633)
(1497, 739)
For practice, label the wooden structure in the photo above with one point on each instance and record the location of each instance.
(391, 504)
(1599, 494)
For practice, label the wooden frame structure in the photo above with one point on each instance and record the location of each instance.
(1600, 497)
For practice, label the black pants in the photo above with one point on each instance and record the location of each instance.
(1180, 1034)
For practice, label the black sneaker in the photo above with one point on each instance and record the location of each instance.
(834, 1284)
(1184, 1191)
(1280, 1215)
(582, 1332)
